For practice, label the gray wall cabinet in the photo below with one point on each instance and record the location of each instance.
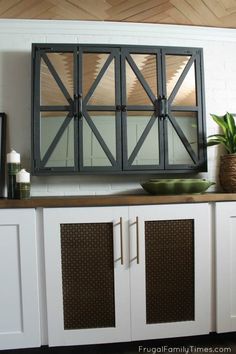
(117, 109)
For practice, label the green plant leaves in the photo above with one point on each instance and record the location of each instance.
(228, 138)
(220, 121)
(231, 123)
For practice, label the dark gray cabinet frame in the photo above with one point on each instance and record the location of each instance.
(78, 108)
(2, 152)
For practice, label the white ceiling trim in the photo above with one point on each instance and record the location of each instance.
(116, 29)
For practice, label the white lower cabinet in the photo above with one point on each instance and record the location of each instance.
(170, 283)
(87, 275)
(127, 273)
(225, 266)
(19, 305)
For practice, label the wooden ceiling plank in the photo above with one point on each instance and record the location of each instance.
(6, 5)
(178, 16)
(156, 18)
(228, 21)
(217, 8)
(230, 5)
(204, 11)
(165, 19)
(188, 11)
(129, 6)
(70, 15)
(48, 14)
(115, 2)
(168, 19)
(97, 12)
(122, 6)
(67, 8)
(32, 11)
(15, 10)
(140, 16)
(138, 10)
(25, 9)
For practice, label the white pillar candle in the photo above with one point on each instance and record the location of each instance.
(13, 157)
(23, 176)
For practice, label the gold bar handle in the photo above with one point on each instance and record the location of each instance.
(137, 239)
(121, 258)
(121, 242)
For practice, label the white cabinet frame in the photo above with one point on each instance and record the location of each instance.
(202, 266)
(19, 303)
(225, 217)
(58, 336)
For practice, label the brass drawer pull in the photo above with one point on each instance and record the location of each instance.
(121, 258)
(137, 257)
(137, 239)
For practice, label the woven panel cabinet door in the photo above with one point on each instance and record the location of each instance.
(170, 267)
(87, 275)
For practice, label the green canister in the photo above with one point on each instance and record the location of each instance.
(13, 166)
(23, 184)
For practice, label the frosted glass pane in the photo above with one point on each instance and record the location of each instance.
(175, 65)
(177, 153)
(186, 95)
(104, 93)
(93, 154)
(63, 154)
(105, 123)
(92, 65)
(147, 64)
(51, 93)
(149, 151)
(189, 125)
(135, 93)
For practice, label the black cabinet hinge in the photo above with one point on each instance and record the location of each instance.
(36, 168)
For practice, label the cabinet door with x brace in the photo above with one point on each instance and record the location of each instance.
(99, 101)
(162, 109)
(77, 115)
(54, 109)
(182, 101)
(142, 129)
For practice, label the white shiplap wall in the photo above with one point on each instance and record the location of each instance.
(16, 37)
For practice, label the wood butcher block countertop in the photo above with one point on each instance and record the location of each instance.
(114, 200)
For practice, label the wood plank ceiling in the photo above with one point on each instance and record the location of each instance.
(213, 13)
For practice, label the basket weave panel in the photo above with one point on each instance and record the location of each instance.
(228, 173)
(169, 250)
(88, 275)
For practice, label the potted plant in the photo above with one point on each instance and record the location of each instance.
(227, 138)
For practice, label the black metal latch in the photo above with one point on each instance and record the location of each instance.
(78, 105)
(121, 108)
(161, 107)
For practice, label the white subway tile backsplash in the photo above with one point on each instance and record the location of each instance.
(81, 193)
(90, 186)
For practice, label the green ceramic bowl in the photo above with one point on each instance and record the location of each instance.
(176, 186)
